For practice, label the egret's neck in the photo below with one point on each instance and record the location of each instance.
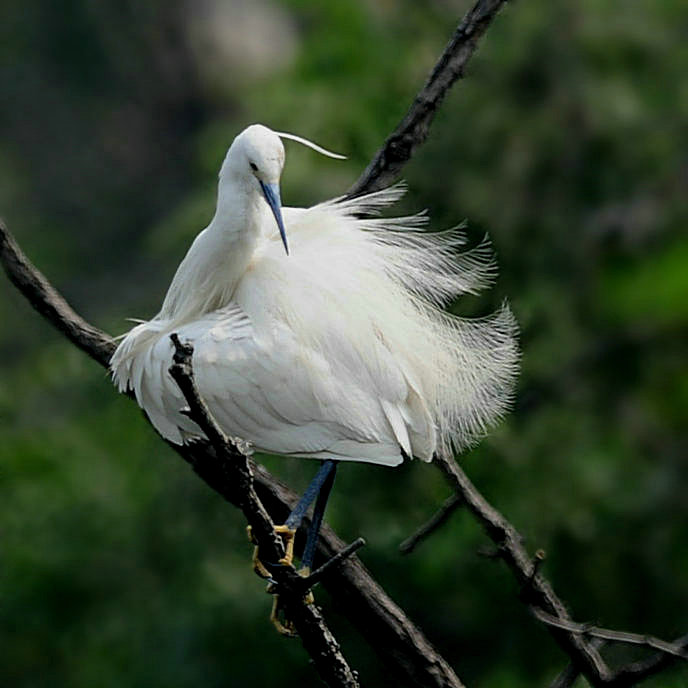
(239, 203)
(208, 276)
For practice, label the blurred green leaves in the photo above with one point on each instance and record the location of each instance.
(649, 291)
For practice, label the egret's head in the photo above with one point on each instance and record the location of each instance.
(260, 152)
(256, 159)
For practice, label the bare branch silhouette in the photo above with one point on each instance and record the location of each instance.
(538, 594)
(436, 521)
(414, 128)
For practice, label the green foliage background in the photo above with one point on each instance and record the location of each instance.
(567, 143)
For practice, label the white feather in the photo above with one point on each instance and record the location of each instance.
(340, 349)
(310, 144)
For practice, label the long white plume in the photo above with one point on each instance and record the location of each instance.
(310, 144)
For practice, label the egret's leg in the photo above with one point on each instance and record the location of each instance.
(316, 521)
(288, 529)
(312, 491)
(319, 488)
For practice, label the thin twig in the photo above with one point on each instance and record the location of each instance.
(630, 674)
(569, 675)
(634, 673)
(440, 517)
(590, 631)
(414, 128)
(333, 562)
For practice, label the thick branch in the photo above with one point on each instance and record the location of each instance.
(359, 597)
(50, 304)
(413, 129)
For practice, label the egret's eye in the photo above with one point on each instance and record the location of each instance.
(253, 166)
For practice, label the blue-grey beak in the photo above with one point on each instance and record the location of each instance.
(272, 196)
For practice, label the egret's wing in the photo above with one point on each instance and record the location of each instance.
(266, 387)
(287, 398)
(142, 360)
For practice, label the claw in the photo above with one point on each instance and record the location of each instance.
(257, 564)
(287, 534)
(285, 627)
(277, 617)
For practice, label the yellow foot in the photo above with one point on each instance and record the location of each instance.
(304, 572)
(287, 535)
(278, 617)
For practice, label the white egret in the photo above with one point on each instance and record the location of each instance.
(320, 332)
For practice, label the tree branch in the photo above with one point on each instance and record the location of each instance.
(414, 128)
(635, 672)
(571, 672)
(50, 303)
(539, 595)
(592, 631)
(535, 590)
(354, 591)
(436, 521)
(359, 597)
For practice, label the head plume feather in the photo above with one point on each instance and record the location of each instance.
(310, 144)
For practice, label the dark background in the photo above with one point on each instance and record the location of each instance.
(567, 143)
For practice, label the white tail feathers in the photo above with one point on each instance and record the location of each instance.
(464, 369)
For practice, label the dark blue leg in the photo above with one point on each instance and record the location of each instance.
(296, 516)
(316, 521)
(325, 475)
